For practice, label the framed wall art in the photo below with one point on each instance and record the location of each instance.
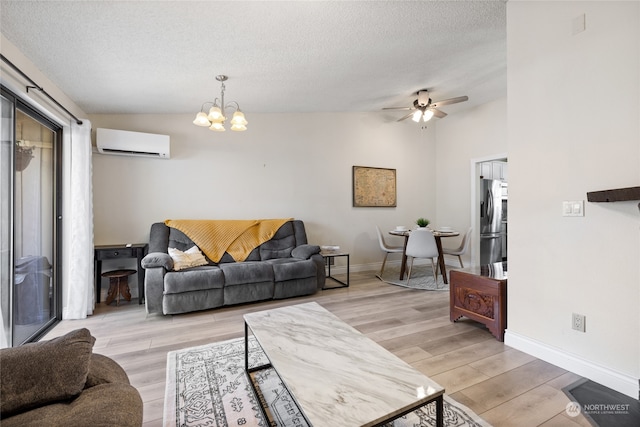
(374, 187)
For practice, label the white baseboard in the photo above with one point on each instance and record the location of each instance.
(375, 266)
(615, 380)
(356, 268)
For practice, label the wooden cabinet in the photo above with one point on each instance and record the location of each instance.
(494, 170)
(480, 294)
(486, 170)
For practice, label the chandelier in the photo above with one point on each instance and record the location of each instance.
(216, 117)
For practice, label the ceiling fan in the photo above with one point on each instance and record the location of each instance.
(423, 108)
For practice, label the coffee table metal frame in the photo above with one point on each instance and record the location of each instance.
(254, 387)
(439, 400)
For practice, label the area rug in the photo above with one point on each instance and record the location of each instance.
(207, 386)
(603, 406)
(421, 278)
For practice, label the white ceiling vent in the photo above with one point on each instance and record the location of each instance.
(126, 143)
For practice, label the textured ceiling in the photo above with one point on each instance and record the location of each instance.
(280, 56)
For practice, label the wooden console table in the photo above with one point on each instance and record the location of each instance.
(480, 293)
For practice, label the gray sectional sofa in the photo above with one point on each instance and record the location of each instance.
(282, 267)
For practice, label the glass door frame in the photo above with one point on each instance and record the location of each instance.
(56, 263)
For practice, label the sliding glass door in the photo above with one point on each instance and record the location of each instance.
(29, 293)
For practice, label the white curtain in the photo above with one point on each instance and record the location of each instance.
(77, 229)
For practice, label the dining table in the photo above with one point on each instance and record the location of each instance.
(438, 234)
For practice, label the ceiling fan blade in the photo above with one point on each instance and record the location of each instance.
(449, 101)
(439, 114)
(405, 117)
(397, 108)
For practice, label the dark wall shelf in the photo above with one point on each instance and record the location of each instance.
(616, 195)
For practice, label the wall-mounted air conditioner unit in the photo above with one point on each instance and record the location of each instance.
(126, 143)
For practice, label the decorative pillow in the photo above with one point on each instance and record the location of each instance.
(36, 374)
(305, 251)
(189, 258)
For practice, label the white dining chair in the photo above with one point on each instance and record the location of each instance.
(460, 250)
(388, 249)
(422, 244)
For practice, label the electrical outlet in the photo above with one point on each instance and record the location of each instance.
(579, 322)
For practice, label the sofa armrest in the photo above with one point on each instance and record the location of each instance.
(305, 251)
(157, 259)
(104, 370)
(319, 261)
(154, 289)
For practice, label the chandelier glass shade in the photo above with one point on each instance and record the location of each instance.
(215, 118)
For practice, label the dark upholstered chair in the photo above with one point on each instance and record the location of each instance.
(61, 382)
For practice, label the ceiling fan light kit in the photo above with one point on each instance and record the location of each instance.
(216, 117)
(423, 114)
(423, 108)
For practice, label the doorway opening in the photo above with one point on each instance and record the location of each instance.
(489, 208)
(30, 194)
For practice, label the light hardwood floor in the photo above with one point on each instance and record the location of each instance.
(504, 386)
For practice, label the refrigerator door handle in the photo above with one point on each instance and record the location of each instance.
(490, 206)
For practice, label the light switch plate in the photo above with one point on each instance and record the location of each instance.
(573, 208)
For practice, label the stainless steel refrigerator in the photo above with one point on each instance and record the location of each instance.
(492, 227)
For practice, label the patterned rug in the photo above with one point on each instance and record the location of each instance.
(207, 386)
(421, 278)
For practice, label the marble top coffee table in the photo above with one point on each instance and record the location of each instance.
(336, 375)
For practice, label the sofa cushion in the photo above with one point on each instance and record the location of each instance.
(246, 272)
(305, 251)
(280, 245)
(194, 279)
(179, 240)
(292, 268)
(192, 257)
(40, 373)
(277, 248)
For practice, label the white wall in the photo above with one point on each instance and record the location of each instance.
(475, 133)
(16, 83)
(284, 165)
(573, 127)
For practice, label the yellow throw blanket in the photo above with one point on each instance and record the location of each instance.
(237, 237)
